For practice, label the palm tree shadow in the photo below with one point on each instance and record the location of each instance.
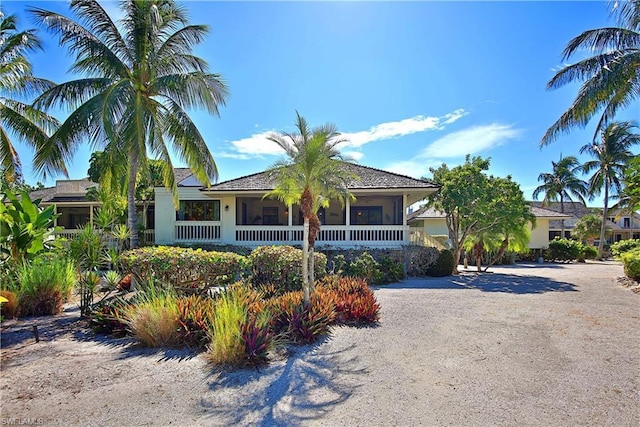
(305, 386)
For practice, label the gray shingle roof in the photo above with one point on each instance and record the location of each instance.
(430, 213)
(181, 174)
(370, 178)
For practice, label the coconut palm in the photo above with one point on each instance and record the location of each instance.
(17, 82)
(611, 78)
(562, 184)
(139, 76)
(629, 196)
(612, 154)
(313, 172)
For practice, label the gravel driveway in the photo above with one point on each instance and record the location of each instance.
(539, 345)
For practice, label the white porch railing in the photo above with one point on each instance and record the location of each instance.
(420, 238)
(333, 235)
(198, 231)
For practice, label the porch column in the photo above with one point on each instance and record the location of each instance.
(347, 222)
(290, 222)
(55, 212)
(404, 219)
(91, 215)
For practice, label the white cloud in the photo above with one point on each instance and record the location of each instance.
(353, 155)
(455, 145)
(400, 128)
(257, 145)
(415, 167)
(470, 141)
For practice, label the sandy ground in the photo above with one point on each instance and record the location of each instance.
(538, 345)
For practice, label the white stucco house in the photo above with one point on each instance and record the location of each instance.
(431, 222)
(236, 212)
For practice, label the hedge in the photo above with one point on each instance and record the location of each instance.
(184, 267)
(631, 262)
(281, 266)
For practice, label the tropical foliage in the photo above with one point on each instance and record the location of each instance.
(562, 184)
(476, 204)
(17, 83)
(25, 228)
(610, 78)
(611, 153)
(313, 173)
(587, 228)
(138, 78)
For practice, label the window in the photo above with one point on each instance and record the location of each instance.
(626, 222)
(366, 215)
(198, 210)
(270, 215)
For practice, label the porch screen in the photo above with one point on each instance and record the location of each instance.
(198, 210)
(366, 215)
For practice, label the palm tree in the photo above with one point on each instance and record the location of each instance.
(139, 77)
(313, 173)
(611, 77)
(612, 154)
(16, 83)
(562, 184)
(629, 196)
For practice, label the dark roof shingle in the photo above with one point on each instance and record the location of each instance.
(370, 178)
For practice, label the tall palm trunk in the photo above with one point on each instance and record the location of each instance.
(562, 220)
(604, 219)
(305, 262)
(131, 200)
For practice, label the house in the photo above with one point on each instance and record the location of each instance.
(236, 212)
(619, 227)
(427, 223)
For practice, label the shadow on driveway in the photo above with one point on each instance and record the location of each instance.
(488, 282)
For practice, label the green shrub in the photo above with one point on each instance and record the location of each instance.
(443, 266)
(618, 248)
(88, 248)
(392, 270)
(564, 250)
(184, 267)
(281, 266)
(631, 262)
(367, 268)
(589, 252)
(45, 284)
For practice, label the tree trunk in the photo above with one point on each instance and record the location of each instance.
(604, 219)
(305, 262)
(503, 248)
(477, 254)
(562, 220)
(131, 200)
(457, 251)
(312, 267)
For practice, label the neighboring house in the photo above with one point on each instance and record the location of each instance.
(236, 212)
(619, 229)
(427, 222)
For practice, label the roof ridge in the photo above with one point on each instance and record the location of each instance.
(392, 173)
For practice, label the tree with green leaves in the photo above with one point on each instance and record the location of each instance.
(562, 184)
(587, 228)
(510, 215)
(313, 173)
(611, 154)
(629, 196)
(476, 204)
(610, 78)
(17, 85)
(139, 78)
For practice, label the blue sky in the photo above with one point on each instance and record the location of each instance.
(410, 84)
